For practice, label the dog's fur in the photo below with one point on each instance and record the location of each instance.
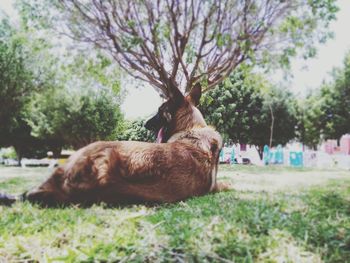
(183, 165)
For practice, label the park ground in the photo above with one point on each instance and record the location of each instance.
(272, 214)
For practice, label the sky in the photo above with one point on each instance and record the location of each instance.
(308, 74)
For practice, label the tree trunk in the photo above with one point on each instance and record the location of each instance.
(56, 152)
(271, 127)
(260, 151)
(19, 155)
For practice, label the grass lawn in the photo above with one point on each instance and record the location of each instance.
(273, 214)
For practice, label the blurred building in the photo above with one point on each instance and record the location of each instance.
(345, 144)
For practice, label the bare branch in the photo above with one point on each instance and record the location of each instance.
(175, 44)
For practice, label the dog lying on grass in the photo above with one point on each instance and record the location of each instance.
(182, 164)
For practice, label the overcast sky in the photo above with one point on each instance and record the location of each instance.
(308, 74)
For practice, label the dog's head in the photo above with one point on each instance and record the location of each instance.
(178, 113)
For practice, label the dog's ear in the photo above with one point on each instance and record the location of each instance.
(195, 94)
(176, 96)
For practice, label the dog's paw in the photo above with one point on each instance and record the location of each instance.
(223, 186)
(7, 200)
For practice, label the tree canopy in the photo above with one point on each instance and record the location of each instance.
(179, 43)
(325, 113)
(50, 100)
(72, 119)
(247, 109)
(16, 86)
(336, 103)
(136, 131)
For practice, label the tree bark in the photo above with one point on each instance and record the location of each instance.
(271, 127)
(19, 155)
(56, 152)
(260, 151)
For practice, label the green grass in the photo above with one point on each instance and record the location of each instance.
(309, 223)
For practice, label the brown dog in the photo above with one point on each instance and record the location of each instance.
(182, 165)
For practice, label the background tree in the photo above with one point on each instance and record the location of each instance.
(17, 86)
(280, 111)
(74, 120)
(325, 114)
(309, 127)
(178, 43)
(36, 77)
(136, 131)
(240, 108)
(336, 103)
(16, 82)
(235, 106)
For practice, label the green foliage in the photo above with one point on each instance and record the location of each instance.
(8, 153)
(309, 122)
(336, 103)
(17, 86)
(15, 83)
(325, 114)
(83, 70)
(240, 109)
(136, 131)
(68, 63)
(74, 119)
(284, 107)
(234, 107)
(303, 27)
(34, 72)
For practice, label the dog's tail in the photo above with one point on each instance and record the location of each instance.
(8, 200)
